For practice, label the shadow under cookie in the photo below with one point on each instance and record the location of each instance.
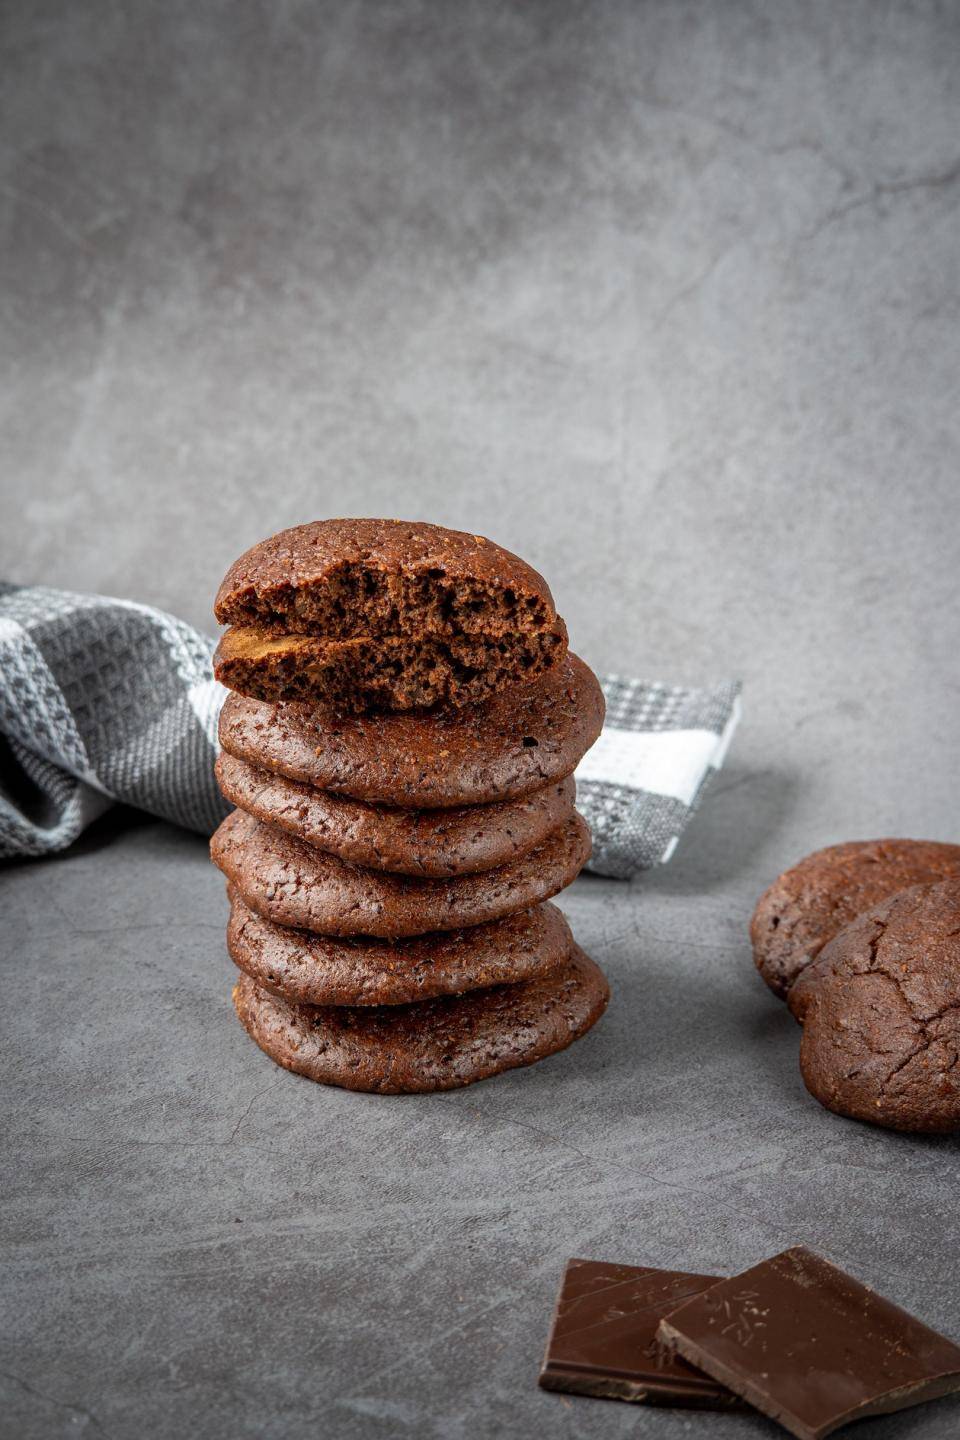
(439, 1044)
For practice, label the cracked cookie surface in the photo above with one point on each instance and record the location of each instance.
(292, 883)
(458, 840)
(305, 968)
(812, 901)
(880, 1010)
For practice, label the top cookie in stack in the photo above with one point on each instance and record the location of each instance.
(401, 755)
(383, 614)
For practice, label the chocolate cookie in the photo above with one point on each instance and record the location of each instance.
(346, 578)
(313, 969)
(811, 902)
(433, 1045)
(383, 672)
(880, 1009)
(292, 883)
(459, 841)
(512, 745)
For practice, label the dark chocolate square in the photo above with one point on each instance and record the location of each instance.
(810, 1346)
(603, 1338)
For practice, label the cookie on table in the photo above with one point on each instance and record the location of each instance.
(292, 883)
(880, 1010)
(383, 672)
(347, 578)
(808, 904)
(434, 1045)
(383, 615)
(311, 969)
(511, 746)
(459, 841)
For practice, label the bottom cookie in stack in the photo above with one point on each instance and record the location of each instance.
(438, 1044)
(339, 984)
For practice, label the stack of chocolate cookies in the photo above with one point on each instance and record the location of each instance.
(400, 747)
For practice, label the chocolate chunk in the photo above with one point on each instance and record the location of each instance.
(810, 1346)
(603, 1338)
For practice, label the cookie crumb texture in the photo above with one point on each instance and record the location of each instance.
(292, 883)
(387, 672)
(880, 1009)
(347, 578)
(369, 615)
(811, 902)
(439, 1044)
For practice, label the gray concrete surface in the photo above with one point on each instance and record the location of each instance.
(664, 296)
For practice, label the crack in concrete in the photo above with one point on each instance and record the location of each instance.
(52, 1400)
(258, 1096)
(691, 288)
(881, 188)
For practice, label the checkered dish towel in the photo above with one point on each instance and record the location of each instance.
(104, 700)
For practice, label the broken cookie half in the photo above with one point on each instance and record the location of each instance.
(383, 615)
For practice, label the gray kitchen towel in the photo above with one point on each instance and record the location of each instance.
(104, 700)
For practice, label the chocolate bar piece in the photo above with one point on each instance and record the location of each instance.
(603, 1338)
(810, 1346)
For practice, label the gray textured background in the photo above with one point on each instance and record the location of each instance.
(664, 296)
